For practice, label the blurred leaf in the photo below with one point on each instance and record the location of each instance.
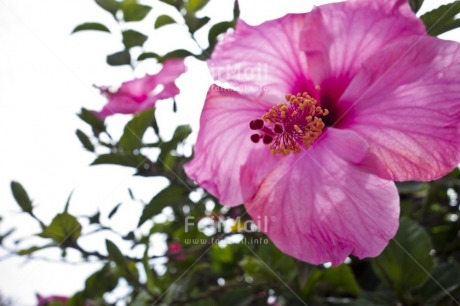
(163, 20)
(91, 26)
(194, 23)
(115, 254)
(21, 197)
(90, 118)
(442, 283)
(135, 129)
(178, 4)
(215, 31)
(168, 196)
(128, 269)
(180, 134)
(378, 298)
(442, 19)
(193, 6)
(181, 53)
(100, 282)
(67, 203)
(406, 262)
(110, 6)
(236, 10)
(85, 141)
(133, 38)
(133, 11)
(148, 55)
(222, 254)
(255, 268)
(2, 237)
(64, 229)
(416, 5)
(114, 211)
(127, 160)
(95, 218)
(237, 296)
(119, 58)
(333, 281)
(33, 249)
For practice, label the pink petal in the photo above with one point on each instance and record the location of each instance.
(318, 206)
(339, 37)
(405, 102)
(137, 95)
(224, 144)
(171, 70)
(263, 61)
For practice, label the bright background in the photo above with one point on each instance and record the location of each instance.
(46, 76)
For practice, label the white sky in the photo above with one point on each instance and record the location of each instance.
(46, 76)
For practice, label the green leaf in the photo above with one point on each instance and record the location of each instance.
(95, 218)
(85, 141)
(133, 38)
(406, 262)
(215, 31)
(163, 20)
(180, 134)
(127, 160)
(171, 195)
(110, 6)
(115, 254)
(90, 118)
(64, 229)
(194, 23)
(339, 280)
(415, 5)
(100, 282)
(119, 58)
(193, 6)
(33, 249)
(133, 11)
(236, 10)
(128, 269)
(135, 129)
(114, 211)
(178, 4)
(181, 53)
(442, 19)
(21, 197)
(67, 203)
(446, 276)
(94, 26)
(148, 55)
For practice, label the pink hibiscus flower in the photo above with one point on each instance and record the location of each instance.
(141, 94)
(330, 108)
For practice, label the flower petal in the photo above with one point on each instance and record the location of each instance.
(263, 61)
(224, 144)
(406, 104)
(318, 206)
(136, 95)
(171, 70)
(339, 37)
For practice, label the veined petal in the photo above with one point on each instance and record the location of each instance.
(321, 207)
(405, 102)
(224, 144)
(263, 61)
(339, 37)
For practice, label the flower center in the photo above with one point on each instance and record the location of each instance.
(288, 125)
